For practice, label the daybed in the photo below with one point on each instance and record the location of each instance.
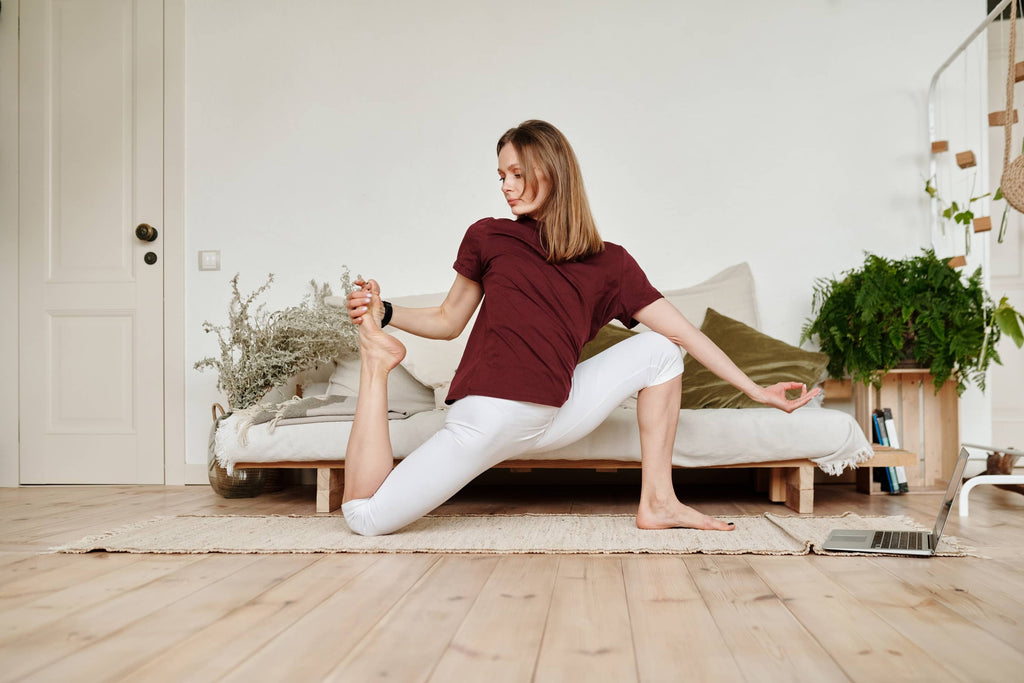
(788, 446)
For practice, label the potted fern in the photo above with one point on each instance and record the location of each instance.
(913, 312)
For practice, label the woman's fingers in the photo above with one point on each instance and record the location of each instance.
(359, 301)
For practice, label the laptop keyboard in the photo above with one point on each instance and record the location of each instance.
(897, 540)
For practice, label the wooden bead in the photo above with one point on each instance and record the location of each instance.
(940, 146)
(957, 262)
(983, 224)
(998, 118)
(965, 159)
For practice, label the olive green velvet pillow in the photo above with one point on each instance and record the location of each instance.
(607, 337)
(764, 359)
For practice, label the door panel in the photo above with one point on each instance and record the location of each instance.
(91, 325)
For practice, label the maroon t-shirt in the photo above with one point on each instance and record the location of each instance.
(536, 316)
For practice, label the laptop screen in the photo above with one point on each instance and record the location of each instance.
(951, 489)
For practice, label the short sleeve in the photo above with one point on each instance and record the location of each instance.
(470, 261)
(635, 291)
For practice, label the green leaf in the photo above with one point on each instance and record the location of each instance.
(999, 194)
(1006, 320)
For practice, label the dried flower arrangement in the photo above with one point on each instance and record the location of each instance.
(260, 350)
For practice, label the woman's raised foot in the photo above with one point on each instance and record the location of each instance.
(379, 350)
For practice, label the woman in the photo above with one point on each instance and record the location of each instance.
(551, 284)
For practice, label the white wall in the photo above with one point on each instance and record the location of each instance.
(788, 134)
(9, 244)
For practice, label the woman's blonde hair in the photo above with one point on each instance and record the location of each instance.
(567, 228)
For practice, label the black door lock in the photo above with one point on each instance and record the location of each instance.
(149, 258)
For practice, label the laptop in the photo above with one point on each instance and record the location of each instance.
(891, 542)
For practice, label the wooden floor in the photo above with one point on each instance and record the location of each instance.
(502, 618)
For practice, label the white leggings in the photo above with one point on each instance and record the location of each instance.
(480, 431)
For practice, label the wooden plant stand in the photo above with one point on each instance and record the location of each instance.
(928, 423)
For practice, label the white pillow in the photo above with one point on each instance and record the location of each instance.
(432, 362)
(730, 292)
(403, 389)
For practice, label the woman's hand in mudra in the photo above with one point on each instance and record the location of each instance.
(775, 396)
(366, 298)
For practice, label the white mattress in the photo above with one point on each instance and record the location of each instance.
(831, 438)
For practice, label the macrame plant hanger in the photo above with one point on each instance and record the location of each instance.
(1012, 182)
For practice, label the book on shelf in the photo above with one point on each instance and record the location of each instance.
(894, 441)
(881, 435)
(889, 477)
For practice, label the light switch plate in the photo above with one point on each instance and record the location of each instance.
(209, 260)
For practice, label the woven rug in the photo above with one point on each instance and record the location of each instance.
(767, 534)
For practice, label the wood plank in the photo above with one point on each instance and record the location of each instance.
(914, 612)
(800, 489)
(670, 622)
(587, 636)
(766, 639)
(837, 389)
(216, 650)
(112, 657)
(980, 593)
(53, 573)
(330, 486)
(424, 620)
(933, 429)
(591, 464)
(949, 406)
(45, 646)
(910, 405)
(777, 485)
(123, 573)
(865, 646)
(500, 638)
(312, 646)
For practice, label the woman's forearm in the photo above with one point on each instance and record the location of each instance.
(663, 317)
(431, 323)
(445, 321)
(714, 359)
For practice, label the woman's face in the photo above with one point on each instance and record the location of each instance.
(522, 200)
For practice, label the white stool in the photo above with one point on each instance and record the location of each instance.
(987, 478)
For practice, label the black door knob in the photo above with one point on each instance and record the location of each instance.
(145, 232)
(149, 258)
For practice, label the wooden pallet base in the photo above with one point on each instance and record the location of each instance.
(787, 481)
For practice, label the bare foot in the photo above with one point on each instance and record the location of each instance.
(673, 514)
(379, 350)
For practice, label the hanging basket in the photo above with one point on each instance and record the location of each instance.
(1012, 182)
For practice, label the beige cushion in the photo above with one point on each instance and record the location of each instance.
(730, 292)
(432, 362)
(403, 389)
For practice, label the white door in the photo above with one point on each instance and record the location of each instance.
(91, 311)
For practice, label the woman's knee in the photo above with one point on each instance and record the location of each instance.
(359, 518)
(666, 359)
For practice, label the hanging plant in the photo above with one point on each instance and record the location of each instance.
(960, 215)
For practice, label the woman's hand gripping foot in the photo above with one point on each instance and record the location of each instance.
(377, 348)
